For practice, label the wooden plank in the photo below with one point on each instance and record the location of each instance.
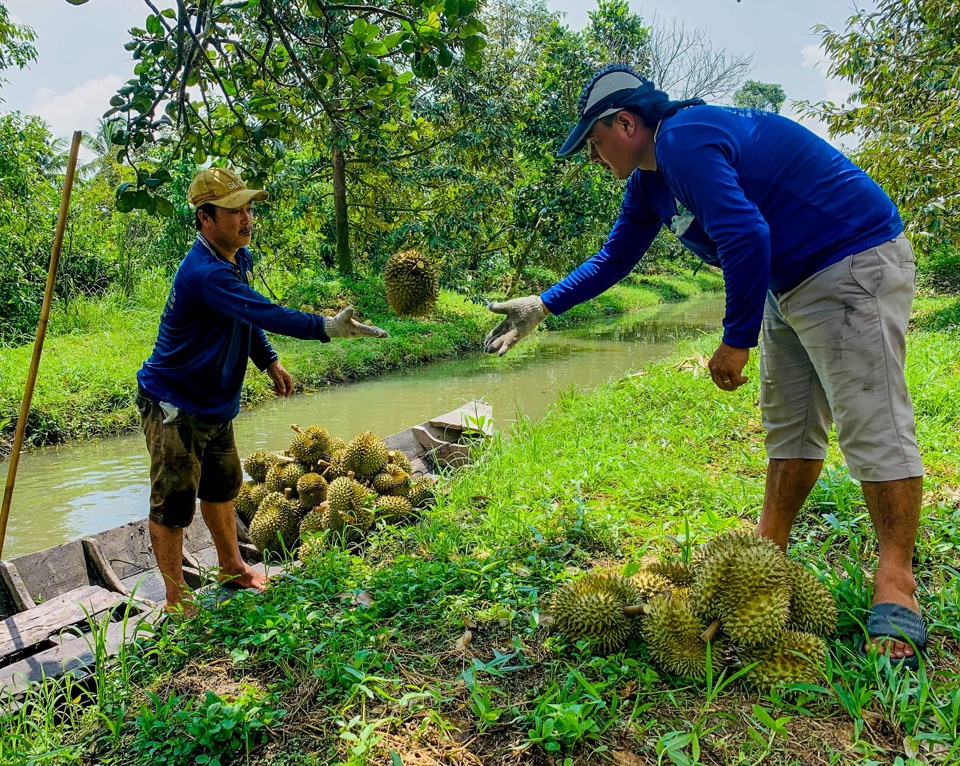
(35, 626)
(474, 416)
(53, 571)
(128, 549)
(74, 655)
(99, 564)
(147, 586)
(17, 596)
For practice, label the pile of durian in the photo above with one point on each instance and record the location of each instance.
(323, 490)
(740, 596)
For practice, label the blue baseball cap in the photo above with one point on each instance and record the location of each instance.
(609, 90)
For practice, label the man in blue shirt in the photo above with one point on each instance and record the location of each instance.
(190, 386)
(814, 259)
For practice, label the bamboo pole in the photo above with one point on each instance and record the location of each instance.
(38, 343)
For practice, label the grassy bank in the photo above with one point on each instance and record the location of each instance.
(365, 659)
(87, 378)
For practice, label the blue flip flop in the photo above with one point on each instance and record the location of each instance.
(900, 624)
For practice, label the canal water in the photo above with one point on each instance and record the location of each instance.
(76, 490)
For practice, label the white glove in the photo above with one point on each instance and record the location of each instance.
(343, 325)
(522, 317)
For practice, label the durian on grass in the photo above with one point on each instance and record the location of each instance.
(412, 284)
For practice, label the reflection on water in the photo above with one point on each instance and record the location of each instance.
(73, 491)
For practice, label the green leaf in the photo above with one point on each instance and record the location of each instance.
(154, 26)
(164, 207)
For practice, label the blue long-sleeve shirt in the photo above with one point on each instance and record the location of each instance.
(212, 323)
(757, 194)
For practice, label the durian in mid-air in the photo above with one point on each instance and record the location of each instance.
(412, 284)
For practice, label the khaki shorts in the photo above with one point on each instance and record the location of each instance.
(189, 458)
(832, 351)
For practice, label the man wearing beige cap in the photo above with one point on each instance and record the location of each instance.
(190, 386)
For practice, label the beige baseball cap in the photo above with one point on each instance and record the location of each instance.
(223, 188)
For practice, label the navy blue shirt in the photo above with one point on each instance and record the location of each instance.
(212, 323)
(757, 194)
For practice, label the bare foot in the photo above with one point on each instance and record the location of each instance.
(247, 577)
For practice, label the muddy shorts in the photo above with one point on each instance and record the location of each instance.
(832, 351)
(189, 459)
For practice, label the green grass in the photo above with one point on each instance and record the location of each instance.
(435, 643)
(87, 377)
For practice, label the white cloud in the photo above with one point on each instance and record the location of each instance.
(77, 109)
(834, 89)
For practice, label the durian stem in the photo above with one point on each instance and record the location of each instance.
(711, 631)
(636, 610)
(296, 428)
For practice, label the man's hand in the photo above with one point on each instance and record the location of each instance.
(343, 325)
(522, 317)
(726, 365)
(282, 382)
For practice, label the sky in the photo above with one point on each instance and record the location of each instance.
(82, 61)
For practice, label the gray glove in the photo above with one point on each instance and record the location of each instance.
(343, 325)
(522, 317)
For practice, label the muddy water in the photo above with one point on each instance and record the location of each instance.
(73, 491)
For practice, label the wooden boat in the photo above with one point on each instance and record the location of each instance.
(53, 599)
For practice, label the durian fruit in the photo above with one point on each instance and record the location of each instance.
(673, 635)
(679, 574)
(336, 444)
(276, 525)
(742, 580)
(392, 480)
(364, 518)
(422, 492)
(649, 584)
(592, 608)
(412, 284)
(285, 476)
(399, 458)
(315, 521)
(259, 462)
(393, 509)
(795, 657)
(812, 606)
(346, 495)
(311, 489)
(248, 499)
(365, 455)
(310, 444)
(310, 546)
(336, 468)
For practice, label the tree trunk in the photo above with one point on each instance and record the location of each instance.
(341, 219)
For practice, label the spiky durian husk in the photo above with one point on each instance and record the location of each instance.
(277, 519)
(310, 445)
(310, 546)
(248, 499)
(263, 529)
(812, 606)
(392, 480)
(759, 619)
(412, 283)
(399, 458)
(337, 468)
(332, 519)
(732, 568)
(672, 632)
(364, 518)
(393, 509)
(422, 492)
(257, 464)
(276, 480)
(795, 657)
(592, 608)
(312, 489)
(365, 455)
(679, 574)
(335, 445)
(346, 495)
(314, 522)
(649, 584)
